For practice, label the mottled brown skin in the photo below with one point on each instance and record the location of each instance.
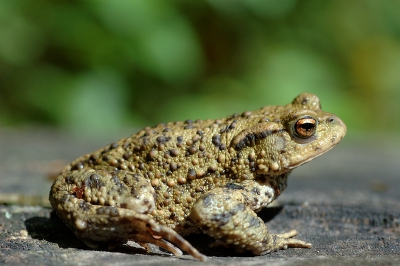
(185, 177)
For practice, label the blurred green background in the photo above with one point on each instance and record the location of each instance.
(102, 65)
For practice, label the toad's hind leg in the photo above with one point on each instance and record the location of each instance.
(103, 207)
(223, 214)
(126, 224)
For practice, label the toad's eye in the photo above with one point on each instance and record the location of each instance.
(305, 127)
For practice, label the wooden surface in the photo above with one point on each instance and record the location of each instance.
(346, 203)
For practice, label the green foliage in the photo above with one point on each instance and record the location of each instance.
(102, 65)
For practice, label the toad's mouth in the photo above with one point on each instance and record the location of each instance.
(314, 155)
(304, 161)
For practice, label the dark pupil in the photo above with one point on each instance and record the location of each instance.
(307, 126)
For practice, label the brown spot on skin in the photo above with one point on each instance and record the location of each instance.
(170, 183)
(173, 166)
(190, 126)
(94, 157)
(181, 180)
(191, 174)
(229, 127)
(145, 143)
(216, 140)
(252, 157)
(212, 168)
(162, 139)
(161, 147)
(126, 145)
(200, 173)
(192, 150)
(152, 155)
(155, 182)
(174, 152)
(247, 114)
(113, 162)
(77, 166)
(199, 189)
(196, 138)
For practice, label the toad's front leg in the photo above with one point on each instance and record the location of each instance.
(226, 214)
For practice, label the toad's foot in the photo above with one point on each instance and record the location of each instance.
(284, 241)
(224, 214)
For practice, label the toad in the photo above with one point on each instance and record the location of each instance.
(209, 176)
